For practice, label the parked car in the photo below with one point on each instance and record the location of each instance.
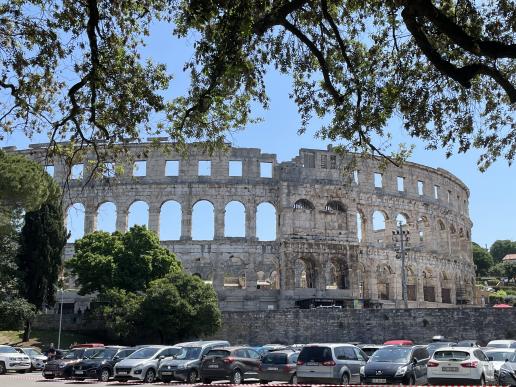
(330, 363)
(507, 373)
(100, 366)
(369, 349)
(59, 353)
(63, 368)
(460, 365)
(438, 344)
(399, 342)
(278, 366)
(502, 344)
(37, 359)
(11, 359)
(87, 345)
(231, 363)
(498, 356)
(185, 366)
(143, 364)
(397, 364)
(272, 347)
(468, 343)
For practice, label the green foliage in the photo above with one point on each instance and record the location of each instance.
(482, 259)
(15, 313)
(42, 240)
(503, 269)
(74, 69)
(126, 261)
(501, 248)
(121, 312)
(9, 283)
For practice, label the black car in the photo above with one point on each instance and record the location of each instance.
(63, 368)
(100, 366)
(230, 363)
(507, 373)
(397, 365)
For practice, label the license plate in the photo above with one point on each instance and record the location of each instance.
(79, 372)
(312, 363)
(48, 373)
(166, 373)
(450, 369)
(122, 373)
(379, 380)
(213, 366)
(272, 368)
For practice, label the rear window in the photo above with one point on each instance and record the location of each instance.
(451, 355)
(499, 356)
(275, 358)
(315, 354)
(293, 357)
(218, 352)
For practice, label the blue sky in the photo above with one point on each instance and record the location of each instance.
(492, 200)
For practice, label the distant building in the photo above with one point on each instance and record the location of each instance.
(509, 258)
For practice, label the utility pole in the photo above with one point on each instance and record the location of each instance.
(402, 237)
(60, 320)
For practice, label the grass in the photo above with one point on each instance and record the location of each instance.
(43, 338)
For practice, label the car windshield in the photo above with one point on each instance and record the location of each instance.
(451, 355)
(189, 353)
(72, 355)
(7, 350)
(513, 358)
(275, 358)
(391, 355)
(144, 353)
(105, 354)
(499, 355)
(32, 352)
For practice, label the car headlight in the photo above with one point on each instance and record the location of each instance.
(362, 370)
(401, 371)
(62, 365)
(138, 371)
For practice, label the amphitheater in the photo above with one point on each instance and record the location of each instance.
(332, 239)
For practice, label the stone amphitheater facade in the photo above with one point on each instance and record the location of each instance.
(331, 246)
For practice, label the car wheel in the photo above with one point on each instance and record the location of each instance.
(482, 381)
(344, 380)
(150, 375)
(48, 377)
(2, 368)
(191, 377)
(206, 381)
(293, 379)
(237, 377)
(20, 371)
(104, 375)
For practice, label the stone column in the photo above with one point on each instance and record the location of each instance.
(437, 287)
(420, 295)
(250, 221)
(90, 218)
(286, 273)
(219, 213)
(121, 219)
(186, 222)
(154, 213)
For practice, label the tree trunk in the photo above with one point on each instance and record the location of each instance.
(27, 331)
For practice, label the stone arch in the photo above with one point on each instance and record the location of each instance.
(453, 231)
(422, 227)
(274, 279)
(266, 222)
(411, 274)
(138, 214)
(361, 226)
(170, 218)
(335, 206)
(303, 204)
(441, 225)
(379, 220)
(429, 285)
(362, 277)
(203, 220)
(235, 273)
(106, 216)
(75, 216)
(337, 274)
(384, 282)
(304, 273)
(402, 218)
(234, 219)
(335, 214)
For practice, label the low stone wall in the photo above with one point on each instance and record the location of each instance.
(367, 325)
(70, 322)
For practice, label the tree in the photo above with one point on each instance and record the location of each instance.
(501, 248)
(445, 67)
(126, 261)
(482, 259)
(16, 314)
(504, 269)
(42, 241)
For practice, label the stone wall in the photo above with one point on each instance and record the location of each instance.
(367, 325)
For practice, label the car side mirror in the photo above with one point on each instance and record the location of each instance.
(490, 358)
(116, 358)
(414, 361)
(161, 357)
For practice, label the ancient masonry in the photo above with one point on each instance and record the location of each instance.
(333, 241)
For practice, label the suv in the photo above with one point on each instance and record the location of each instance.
(230, 363)
(460, 365)
(279, 366)
(502, 344)
(330, 363)
(397, 364)
(37, 359)
(143, 364)
(63, 368)
(10, 359)
(100, 366)
(185, 365)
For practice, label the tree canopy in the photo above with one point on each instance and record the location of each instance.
(445, 68)
(501, 248)
(482, 259)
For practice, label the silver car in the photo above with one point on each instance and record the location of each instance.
(37, 359)
(330, 363)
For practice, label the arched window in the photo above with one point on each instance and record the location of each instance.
(106, 217)
(170, 221)
(266, 222)
(401, 219)
(442, 226)
(203, 221)
(234, 220)
(303, 204)
(304, 272)
(335, 206)
(138, 214)
(75, 221)
(378, 221)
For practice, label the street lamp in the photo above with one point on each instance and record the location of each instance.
(402, 237)
(60, 314)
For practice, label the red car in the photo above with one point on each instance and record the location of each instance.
(399, 342)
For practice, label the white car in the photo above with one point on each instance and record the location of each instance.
(11, 359)
(460, 365)
(498, 356)
(37, 359)
(143, 364)
(502, 344)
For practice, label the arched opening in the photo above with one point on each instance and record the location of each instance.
(138, 214)
(379, 220)
(335, 206)
(170, 221)
(106, 217)
(235, 274)
(384, 274)
(335, 216)
(362, 278)
(411, 284)
(304, 271)
(274, 280)
(266, 222)
(337, 275)
(75, 221)
(401, 219)
(303, 204)
(428, 286)
(422, 226)
(234, 219)
(203, 221)
(361, 229)
(446, 286)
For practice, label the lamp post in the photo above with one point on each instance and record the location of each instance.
(60, 319)
(402, 237)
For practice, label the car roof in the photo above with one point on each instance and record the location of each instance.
(329, 345)
(501, 342)
(454, 348)
(232, 348)
(203, 343)
(499, 350)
